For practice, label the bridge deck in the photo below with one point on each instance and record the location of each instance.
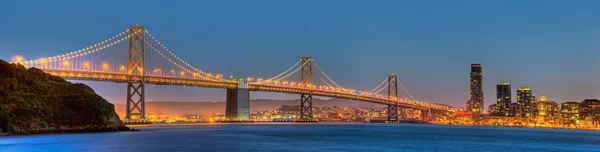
(123, 78)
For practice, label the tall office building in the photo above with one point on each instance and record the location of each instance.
(476, 95)
(503, 98)
(534, 107)
(524, 99)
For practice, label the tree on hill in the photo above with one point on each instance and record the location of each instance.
(31, 99)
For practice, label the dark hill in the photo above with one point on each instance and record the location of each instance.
(32, 101)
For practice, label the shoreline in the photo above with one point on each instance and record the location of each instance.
(556, 128)
(130, 127)
(70, 131)
(287, 123)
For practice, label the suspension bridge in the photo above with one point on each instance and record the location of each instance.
(148, 61)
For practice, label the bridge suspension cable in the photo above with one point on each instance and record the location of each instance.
(406, 90)
(321, 70)
(176, 58)
(327, 83)
(51, 62)
(291, 72)
(380, 89)
(176, 64)
(71, 61)
(380, 85)
(284, 72)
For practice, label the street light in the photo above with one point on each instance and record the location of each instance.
(86, 65)
(66, 64)
(105, 67)
(43, 62)
(122, 69)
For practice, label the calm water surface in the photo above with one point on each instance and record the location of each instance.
(312, 137)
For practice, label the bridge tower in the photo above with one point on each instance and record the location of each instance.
(393, 93)
(306, 99)
(136, 108)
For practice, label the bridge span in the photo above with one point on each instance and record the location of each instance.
(150, 62)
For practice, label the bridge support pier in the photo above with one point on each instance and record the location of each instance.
(306, 106)
(425, 116)
(392, 113)
(238, 103)
(136, 102)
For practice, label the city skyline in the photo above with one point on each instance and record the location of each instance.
(272, 75)
(550, 66)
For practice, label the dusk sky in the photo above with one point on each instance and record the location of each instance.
(549, 46)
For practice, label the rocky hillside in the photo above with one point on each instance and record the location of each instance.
(32, 101)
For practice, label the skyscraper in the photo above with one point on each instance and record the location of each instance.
(503, 98)
(524, 99)
(534, 107)
(476, 95)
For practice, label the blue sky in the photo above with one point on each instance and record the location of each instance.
(549, 46)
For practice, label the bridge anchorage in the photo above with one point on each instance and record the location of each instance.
(151, 62)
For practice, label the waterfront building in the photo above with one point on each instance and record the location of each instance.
(534, 107)
(503, 98)
(524, 99)
(469, 105)
(590, 110)
(476, 90)
(514, 110)
(490, 120)
(492, 110)
(570, 112)
(546, 108)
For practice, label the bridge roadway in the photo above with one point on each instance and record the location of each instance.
(161, 80)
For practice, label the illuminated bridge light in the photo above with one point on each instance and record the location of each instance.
(105, 66)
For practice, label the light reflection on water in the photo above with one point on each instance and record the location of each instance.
(312, 137)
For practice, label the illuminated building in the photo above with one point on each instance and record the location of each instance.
(498, 120)
(546, 108)
(543, 98)
(570, 112)
(463, 117)
(476, 90)
(534, 107)
(503, 98)
(492, 110)
(514, 109)
(469, 105)
(590, 110)
(524, 99)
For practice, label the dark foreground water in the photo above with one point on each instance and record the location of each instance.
(313, 137)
